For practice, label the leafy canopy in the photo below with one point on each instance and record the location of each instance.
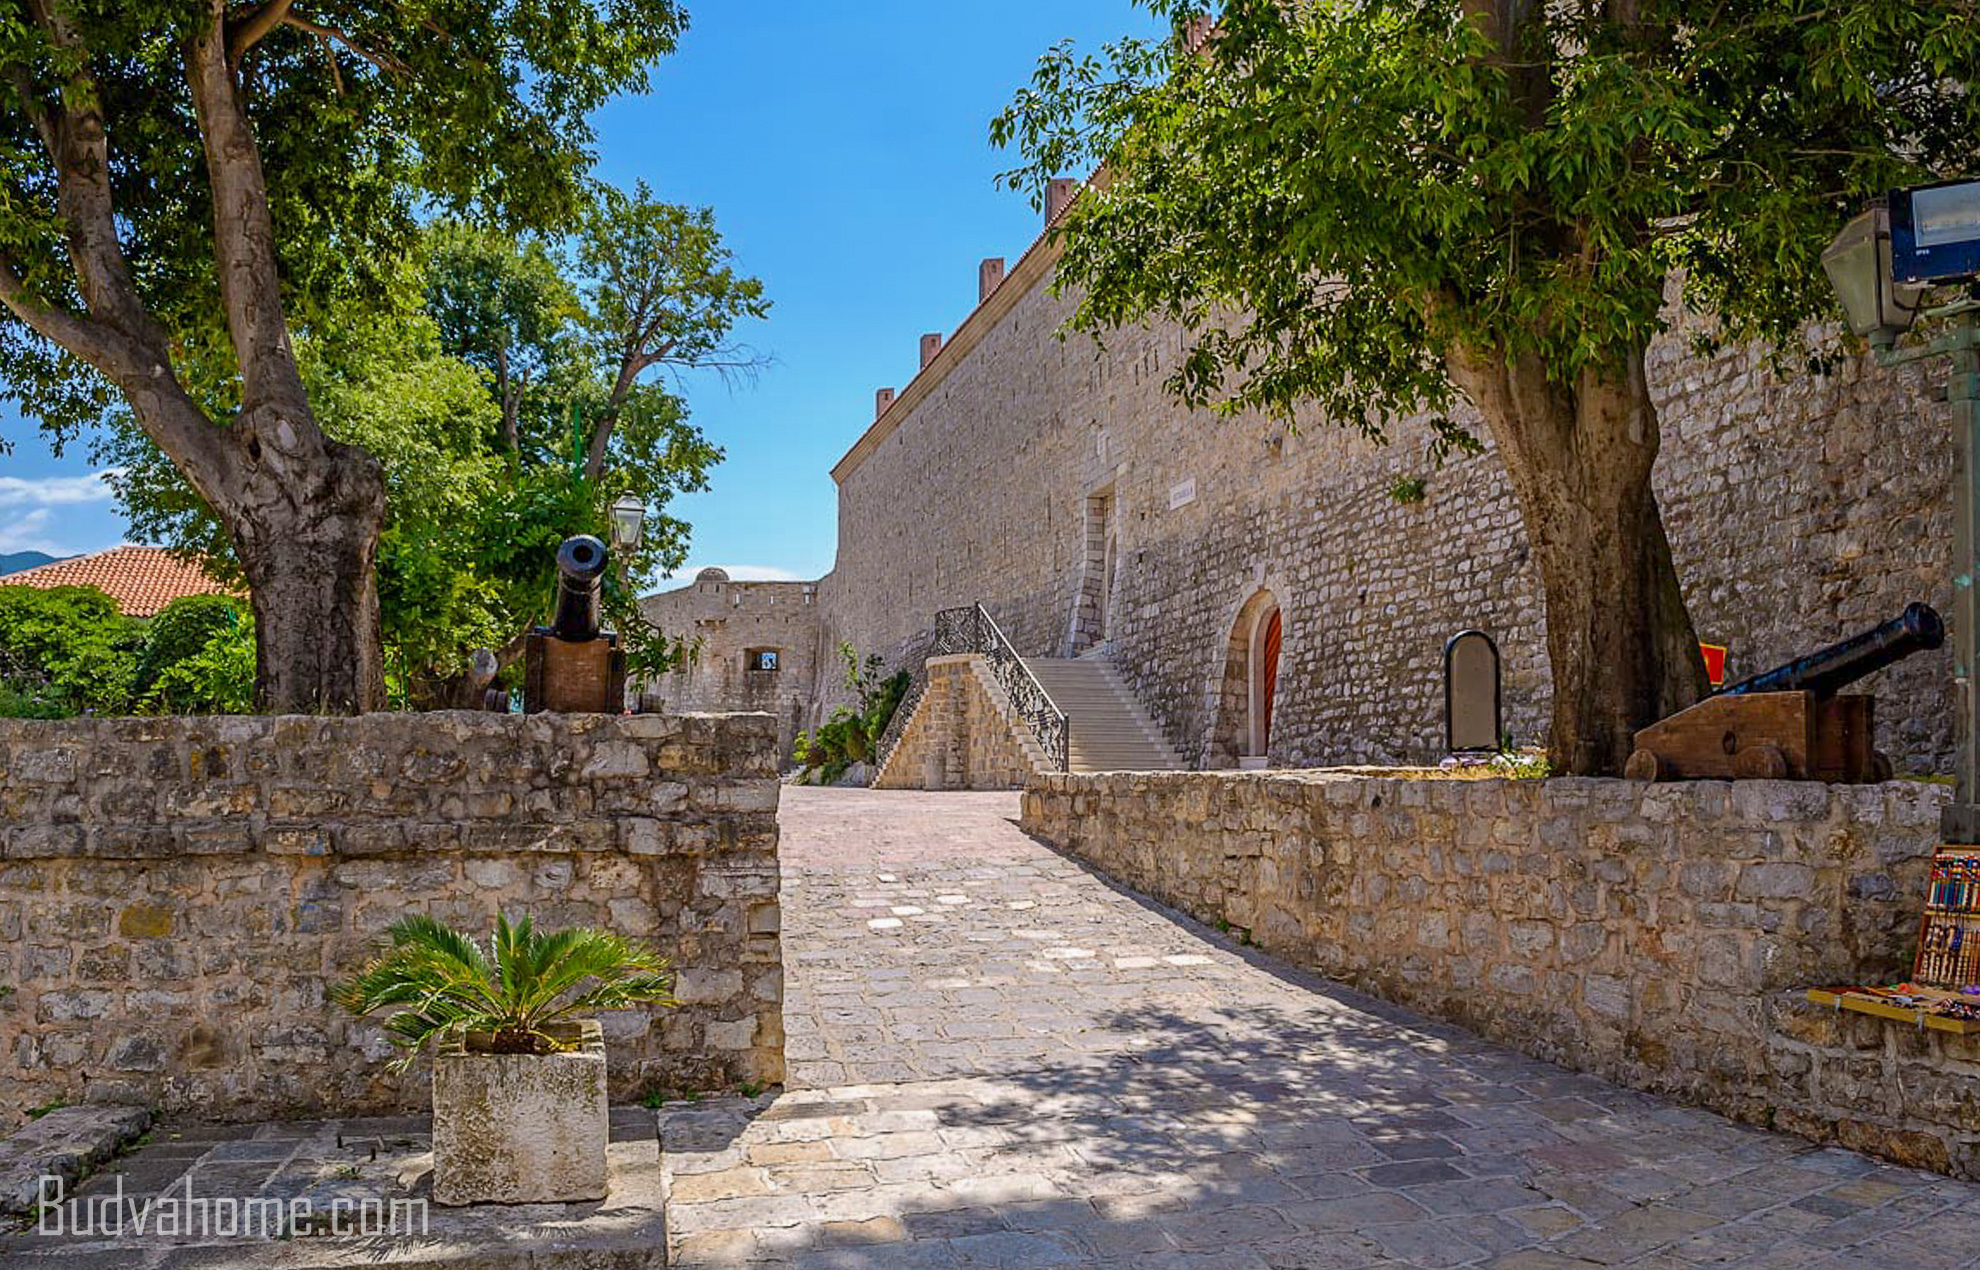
(440, 983)
(1330, 196)
(366, 115)
(477, 381)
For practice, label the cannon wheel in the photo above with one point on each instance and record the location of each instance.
(1760, 762)
(1643, 765)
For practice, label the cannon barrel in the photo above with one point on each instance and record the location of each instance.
(1826, 672)
(580, 569)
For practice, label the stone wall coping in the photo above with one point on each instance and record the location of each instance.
(1779, 800)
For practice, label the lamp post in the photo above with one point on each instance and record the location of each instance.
(628, 523)
(1884, 265)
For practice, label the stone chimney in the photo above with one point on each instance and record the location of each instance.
(988, 275)
(1059, 195)
(1198, 33)
(931, 344)
(881, 400)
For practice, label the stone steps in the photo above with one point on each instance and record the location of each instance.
(1110, 731)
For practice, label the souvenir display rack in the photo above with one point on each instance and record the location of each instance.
(1944, 992)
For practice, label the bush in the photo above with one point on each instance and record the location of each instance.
(65, 651)
(199, 658)
(851, 736)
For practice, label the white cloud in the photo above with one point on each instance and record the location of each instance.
(741, 573)
(56, 491)
(27, 532)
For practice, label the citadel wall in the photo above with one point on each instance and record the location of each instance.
(1055, 481)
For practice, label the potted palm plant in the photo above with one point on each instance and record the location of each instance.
(519, 1101)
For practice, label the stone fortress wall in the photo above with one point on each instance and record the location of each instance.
(733, 623)
(1055, 481)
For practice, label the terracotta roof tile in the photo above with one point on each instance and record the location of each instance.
(142, 580)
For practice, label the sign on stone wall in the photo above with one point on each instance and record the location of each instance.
(1472, 716)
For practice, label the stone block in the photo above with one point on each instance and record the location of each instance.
(521, 1128)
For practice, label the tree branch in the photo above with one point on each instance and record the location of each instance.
(383, 61)
(248, 31)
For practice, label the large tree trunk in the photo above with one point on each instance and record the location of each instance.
(308, 512)
(309, 555)
(1579, 456)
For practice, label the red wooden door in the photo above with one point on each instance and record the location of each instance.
(1269, 667)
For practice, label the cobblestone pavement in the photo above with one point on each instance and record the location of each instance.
(1000, 1060)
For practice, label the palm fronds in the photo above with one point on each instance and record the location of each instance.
(444, 984)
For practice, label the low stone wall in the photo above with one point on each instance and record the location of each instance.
(963, 735)
(177, 896)
(1655, 934)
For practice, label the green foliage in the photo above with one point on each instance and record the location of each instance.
(217, 678)
(65, 651)
(1521, 764)
(1407, 490)
(479, 109)
(178, 633)
(851, 735)
(444, 984)
(1332, 198)
(479, 381)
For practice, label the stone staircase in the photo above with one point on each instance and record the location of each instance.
(1110, 731)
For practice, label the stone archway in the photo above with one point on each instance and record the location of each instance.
(1247, 691)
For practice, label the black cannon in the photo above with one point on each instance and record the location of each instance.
(580, 575)
(1916, 630)
(1793, 721)
(574, 664)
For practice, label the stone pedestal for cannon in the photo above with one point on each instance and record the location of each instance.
(1792, 722)
(574, 665)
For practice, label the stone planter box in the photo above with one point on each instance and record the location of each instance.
(521, 1128)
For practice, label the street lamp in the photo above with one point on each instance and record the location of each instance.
(628, 523)
(1883, 266)
(1858, 263)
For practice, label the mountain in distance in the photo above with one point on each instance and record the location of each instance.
(14, 562)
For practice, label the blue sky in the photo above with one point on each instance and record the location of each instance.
(845, 151)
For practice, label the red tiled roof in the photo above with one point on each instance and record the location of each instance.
(142, 580)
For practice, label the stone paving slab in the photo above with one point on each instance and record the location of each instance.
(304, 1178)
(64, 1143)
(1014, 1063)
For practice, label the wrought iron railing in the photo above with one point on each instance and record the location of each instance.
(972, 630)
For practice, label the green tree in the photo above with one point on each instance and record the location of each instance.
(663, 293)
(465, 559)
(1393, 208)
(503, 306)
(185, 179)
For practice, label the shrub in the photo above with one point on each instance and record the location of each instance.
(852, 735)
(216, 678)
(65, 651)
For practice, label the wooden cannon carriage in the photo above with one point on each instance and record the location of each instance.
(1792, 722)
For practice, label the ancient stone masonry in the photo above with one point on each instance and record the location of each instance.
(733, 626)
(1658, 935)
(178, 895)
(1058, 483)
(963, 735)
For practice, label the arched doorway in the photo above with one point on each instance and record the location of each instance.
(1247, 692)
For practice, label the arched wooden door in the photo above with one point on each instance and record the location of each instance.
(1268, 670)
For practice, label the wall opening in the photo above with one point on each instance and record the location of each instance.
(1247, 692)
(1094, 602)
